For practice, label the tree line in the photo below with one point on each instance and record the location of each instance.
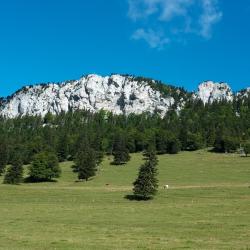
(85, 137)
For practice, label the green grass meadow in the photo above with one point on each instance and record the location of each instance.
(206, 207)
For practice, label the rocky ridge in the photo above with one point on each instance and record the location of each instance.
(116, 93)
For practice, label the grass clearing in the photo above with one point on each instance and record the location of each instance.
(206, 207)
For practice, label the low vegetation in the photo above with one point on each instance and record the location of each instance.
(205, 207)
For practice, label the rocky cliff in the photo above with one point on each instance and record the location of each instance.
(116, 93)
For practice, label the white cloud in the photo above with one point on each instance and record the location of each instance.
(141, 8)
(209, 17)
(166, 9)
(153, 38)
(175, 17)
(174, 8)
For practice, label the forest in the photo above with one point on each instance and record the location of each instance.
(222, 126)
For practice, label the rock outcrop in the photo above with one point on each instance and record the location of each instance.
(210, 91)
(116, 93)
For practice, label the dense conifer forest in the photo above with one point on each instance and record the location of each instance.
(223, 126)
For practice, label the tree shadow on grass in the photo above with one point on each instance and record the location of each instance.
(118, 164)
(213, 150)
(32, 180)
(133, 197)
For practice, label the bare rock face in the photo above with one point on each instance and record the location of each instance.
(211, 91)
(117, 94)
(245, 93)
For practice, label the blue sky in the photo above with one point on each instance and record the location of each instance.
(181, 42)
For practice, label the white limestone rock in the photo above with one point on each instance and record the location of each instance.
(210, 91)
(245, 93)
(117, 94)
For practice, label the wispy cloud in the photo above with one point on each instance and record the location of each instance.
(210, 16)
(174, 17)
(155, 39)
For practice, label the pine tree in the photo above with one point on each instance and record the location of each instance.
(14, 174)
(146, 184)
(85, 163)
(63, 147)
(3, 156)
(120, 151)
(247, 149)
(150, 155)
(174, 146)
(98, 147)
(44, 167)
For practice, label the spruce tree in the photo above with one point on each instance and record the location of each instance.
(150, 154)
(120, 151)
(174, 146)
(85, 163)
(247, 149)
(44, 167)
(98, 147)
(14, 174)
(146, 184)
(62, 147)
(3, 156)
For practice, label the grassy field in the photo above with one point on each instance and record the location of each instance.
(206, 207)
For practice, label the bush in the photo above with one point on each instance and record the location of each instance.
(44, 167)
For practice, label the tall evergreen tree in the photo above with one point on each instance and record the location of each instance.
(146, 184)
(98, 147)
(85, 163)
(120, 151)
(3, 156)
(247, 148)
(14, 174)
(44, 167)
(150, 154)
(62, 147)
